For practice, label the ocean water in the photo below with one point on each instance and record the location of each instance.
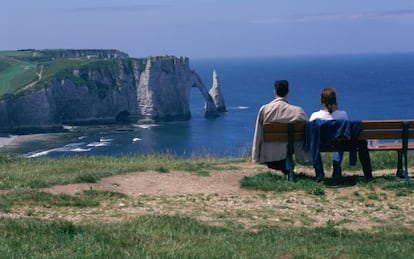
(368, 87)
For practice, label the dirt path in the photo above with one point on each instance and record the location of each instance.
(171, 183)
(39, 77)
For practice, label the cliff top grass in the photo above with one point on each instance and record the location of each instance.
(24, 69)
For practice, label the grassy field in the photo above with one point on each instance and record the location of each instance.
(177, 231)
(14, 74)
(20, 68)
(182, 237)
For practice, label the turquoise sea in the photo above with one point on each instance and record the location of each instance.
(374, 86)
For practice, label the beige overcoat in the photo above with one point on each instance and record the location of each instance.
(278, 110)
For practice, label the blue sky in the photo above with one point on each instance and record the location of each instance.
(211, 28)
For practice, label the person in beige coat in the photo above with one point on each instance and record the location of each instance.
(273, 154)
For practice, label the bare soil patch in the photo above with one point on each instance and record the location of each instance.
(170, 183)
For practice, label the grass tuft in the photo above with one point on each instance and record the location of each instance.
(86, 178)
(272, 182)
(90, 198)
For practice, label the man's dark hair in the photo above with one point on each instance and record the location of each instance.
(281, 87)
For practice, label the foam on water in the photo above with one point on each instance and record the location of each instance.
(70, 128)
(239, 107)
(98, 144)
(72, 147)
(106, 139)
(136, 139)
(145, 126)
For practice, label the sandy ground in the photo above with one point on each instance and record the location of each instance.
(5, 140)
(171, 183)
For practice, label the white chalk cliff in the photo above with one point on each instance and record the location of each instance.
(164, 89)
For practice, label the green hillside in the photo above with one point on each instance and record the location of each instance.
(15, 72)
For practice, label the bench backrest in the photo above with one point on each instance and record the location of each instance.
(371, 129)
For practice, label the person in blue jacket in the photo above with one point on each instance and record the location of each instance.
(330, 111)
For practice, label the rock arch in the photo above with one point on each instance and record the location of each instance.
(210, 109)
(122, 117)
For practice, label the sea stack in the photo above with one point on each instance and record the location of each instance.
(216, 94)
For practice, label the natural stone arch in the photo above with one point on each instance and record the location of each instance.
(210, 109)
(122, 117)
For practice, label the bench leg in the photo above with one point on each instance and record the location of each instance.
(290, 167)
(405, 157)
(400, 171)
(290, 150)
(404, 151)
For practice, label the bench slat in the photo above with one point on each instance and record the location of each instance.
(383, 134)
(389, 147)
(282, 137)
(298, 136)
(384, 124)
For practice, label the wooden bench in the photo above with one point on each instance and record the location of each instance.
(401, 131)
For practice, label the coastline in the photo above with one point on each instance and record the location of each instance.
(6, 139)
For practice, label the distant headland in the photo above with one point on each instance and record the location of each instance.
(43, 90)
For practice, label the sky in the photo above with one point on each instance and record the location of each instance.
(210, 28)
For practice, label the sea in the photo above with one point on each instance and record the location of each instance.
(369, 86)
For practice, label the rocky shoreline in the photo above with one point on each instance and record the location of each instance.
(5, 140)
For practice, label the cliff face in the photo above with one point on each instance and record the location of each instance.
(83, 96)
(155, 100)
(164, 90)
(125, 89)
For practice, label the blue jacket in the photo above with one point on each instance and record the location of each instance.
(320, 134)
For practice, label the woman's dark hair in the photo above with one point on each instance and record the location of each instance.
(328, 99)
(282, 87)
